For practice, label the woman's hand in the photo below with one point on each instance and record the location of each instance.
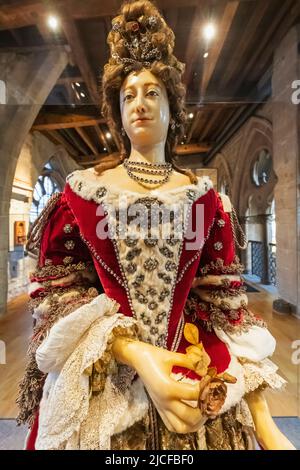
(154, 366)
(267, 433)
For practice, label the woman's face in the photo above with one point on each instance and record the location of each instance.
(144, 108)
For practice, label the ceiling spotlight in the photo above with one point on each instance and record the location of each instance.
(108, 135)
(209, 31)
(82, 94)
(52, 22)
(104, 148)
(205, 55)
(77, 84)
(190, 115)
(182, 143)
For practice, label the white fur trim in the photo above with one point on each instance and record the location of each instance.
(255, 345)
(91, 182)
(34, 286)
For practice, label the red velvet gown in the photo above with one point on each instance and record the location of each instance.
(147, 287)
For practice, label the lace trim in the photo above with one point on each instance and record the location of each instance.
(36, 231)
(31, 386)
(229, 320)
(56, 271)
(66, 406)
(218, 267)
(261, 374)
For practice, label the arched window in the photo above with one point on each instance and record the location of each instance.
(44, 188)
(262, 168)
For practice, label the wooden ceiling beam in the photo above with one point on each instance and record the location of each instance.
(75, 139)
(49, 122)
(193, 127)
(99, 135)
(104, 140)
(194, 41)
(238, 53)
(56, 138)
(217, 45)
(78, 52)
(189, 149)
(210, 122)
(280, 23)
(26, 12)
(88, 141)
(69, 80)
(20, 14)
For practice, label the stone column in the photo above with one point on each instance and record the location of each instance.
(285, 159)
(265, 240)
(28, 79)
(245, 255)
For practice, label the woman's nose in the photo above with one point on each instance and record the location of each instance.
(140, 104)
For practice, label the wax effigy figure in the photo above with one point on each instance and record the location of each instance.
(143, 338)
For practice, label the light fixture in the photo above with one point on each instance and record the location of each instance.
(82, 94)
(190, 115)
(77, 84)
(52, 22)
(108, 135)
(205, 55)
(104, 149)
(209, 31)
(182, 143)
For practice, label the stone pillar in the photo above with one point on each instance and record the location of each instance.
(264, 222)
(28, 79)
(285, 159)
(245, 255)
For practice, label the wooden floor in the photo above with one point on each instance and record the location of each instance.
(15, 329)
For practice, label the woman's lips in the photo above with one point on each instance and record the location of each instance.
(141, 121)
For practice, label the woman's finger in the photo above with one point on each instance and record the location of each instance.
(192, 417)
(184, 391)
(179, 359)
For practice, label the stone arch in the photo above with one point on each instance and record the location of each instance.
(29, 78)
(257, 136)
(220, 163)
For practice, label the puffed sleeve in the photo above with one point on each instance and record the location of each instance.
(218, 299)
(72, 318)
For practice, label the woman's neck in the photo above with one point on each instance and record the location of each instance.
(153, 154)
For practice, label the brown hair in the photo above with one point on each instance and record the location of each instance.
(138, 15)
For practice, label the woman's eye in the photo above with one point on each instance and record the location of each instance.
(152, 93)
(127, 97)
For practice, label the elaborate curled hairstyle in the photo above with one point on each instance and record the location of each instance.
(141, 39)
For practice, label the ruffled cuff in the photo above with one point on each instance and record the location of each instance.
(261, 374)
(68, 399)
(66, 333)
(255, 344)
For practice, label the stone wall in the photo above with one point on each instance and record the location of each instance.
(36, 152)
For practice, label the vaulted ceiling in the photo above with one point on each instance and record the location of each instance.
(223, 89)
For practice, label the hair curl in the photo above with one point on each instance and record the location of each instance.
(168, 69)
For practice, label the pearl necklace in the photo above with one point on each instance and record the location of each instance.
(162, 170)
